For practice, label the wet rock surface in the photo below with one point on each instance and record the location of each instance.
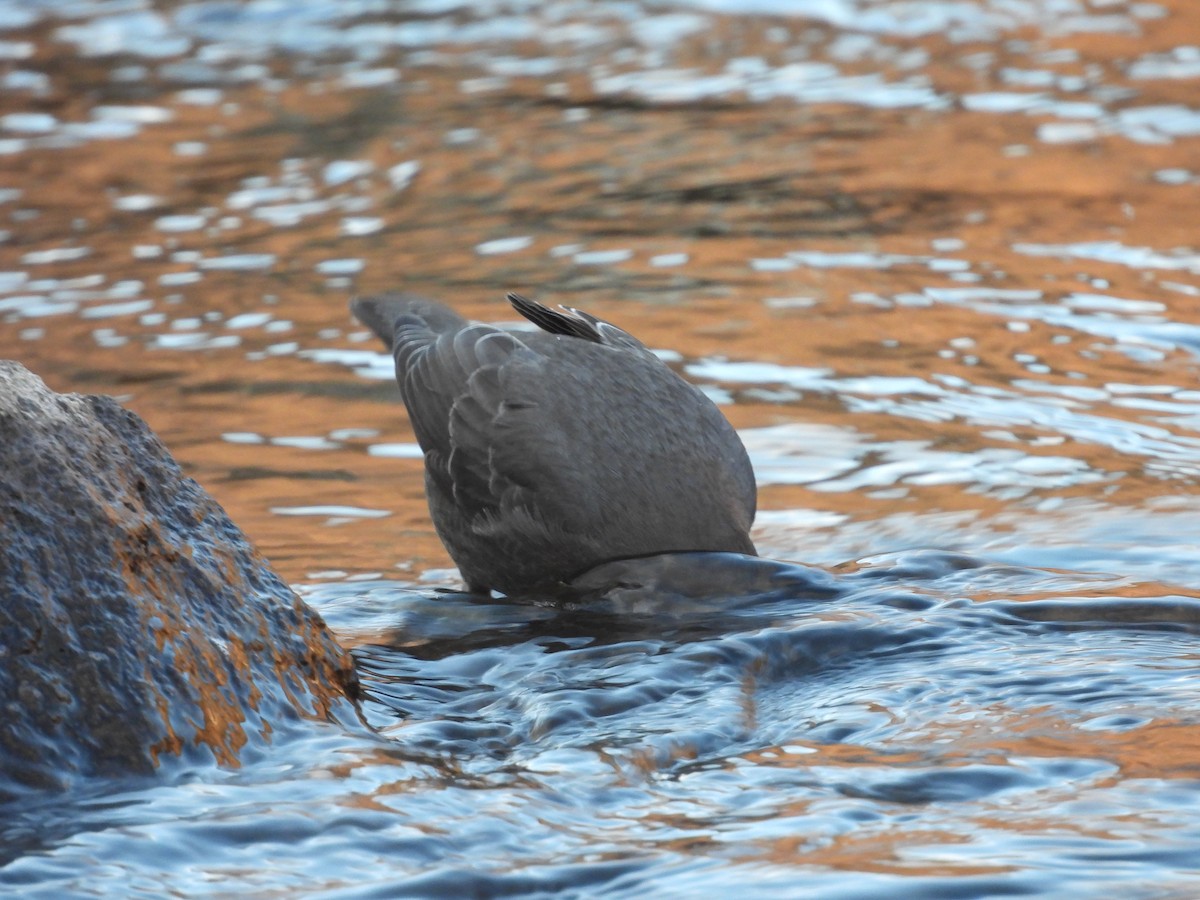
(137, 622)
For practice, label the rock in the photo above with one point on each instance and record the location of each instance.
(137, 623)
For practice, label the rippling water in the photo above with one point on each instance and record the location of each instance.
(919, 725)
(938, 263)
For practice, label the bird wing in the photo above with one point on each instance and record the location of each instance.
(559, 447)
(452, 387)
(445, 369)
(567, 320)
(481, 401)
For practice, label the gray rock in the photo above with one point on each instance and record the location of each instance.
(137, 624)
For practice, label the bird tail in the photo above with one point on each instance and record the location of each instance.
(384, 312)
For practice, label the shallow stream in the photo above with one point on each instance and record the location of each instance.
(937, 261)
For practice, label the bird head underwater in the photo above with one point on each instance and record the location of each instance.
(551, 452)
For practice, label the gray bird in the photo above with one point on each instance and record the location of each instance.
(550, 452)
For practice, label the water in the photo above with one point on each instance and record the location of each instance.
(892, 729)
(937, 262)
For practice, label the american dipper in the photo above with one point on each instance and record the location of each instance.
(550, 452)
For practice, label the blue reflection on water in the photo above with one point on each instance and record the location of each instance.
(637, 738)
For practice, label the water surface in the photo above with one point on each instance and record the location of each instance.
(937, 262)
